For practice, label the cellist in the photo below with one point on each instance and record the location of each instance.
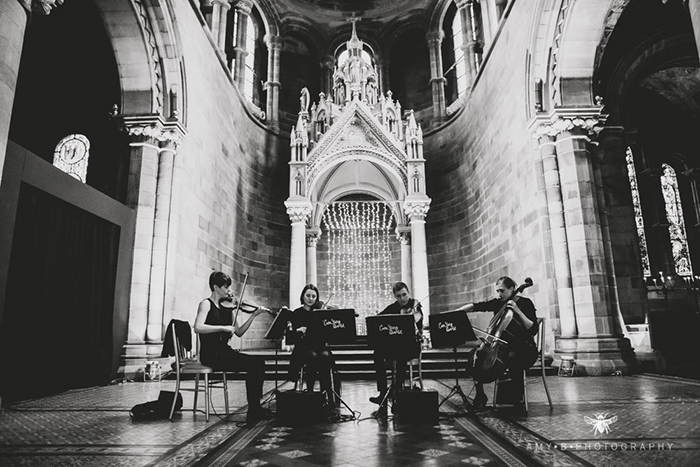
(522, 351)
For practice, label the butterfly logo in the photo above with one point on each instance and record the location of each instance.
(601, 423)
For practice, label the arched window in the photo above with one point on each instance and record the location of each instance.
(676, 225)
(249, 75)
(460, 66)
(644, 252)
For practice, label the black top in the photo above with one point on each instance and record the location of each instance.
(215, 343)
(525, 305)
(396, 309)
(299, 318)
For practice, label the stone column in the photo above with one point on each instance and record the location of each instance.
(312, 237)
(404, 235)
(298, 213)
(242, 10)
(272, 85)
(560, 246)
(416, 212)
(153, 148)
(598, 345)
(218, 22)
(437, 81)
(468, 43)
(382, 74)
(694, 8)
(327, 68)
(624, 240)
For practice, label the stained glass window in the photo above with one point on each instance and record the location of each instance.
(460, 66)
(249, 74)
(676, 225)
(632, 174)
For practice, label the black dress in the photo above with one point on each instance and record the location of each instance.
(310, 349)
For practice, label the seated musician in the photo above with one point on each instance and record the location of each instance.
(522, 351)
(215, 325)
(404, 304)
(310, 350)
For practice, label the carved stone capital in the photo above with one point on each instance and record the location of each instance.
(403, 234)
(435, 38)
(273, 42)
(463, 3)
(243, 6)
(298, 211)
(588, 120)
(312, 237)
(155, 128)
(44, 7)
(416, 209)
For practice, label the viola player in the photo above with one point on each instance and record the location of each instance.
(521, 349)
(215, 325)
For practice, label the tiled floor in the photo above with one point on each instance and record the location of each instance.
(643, 420)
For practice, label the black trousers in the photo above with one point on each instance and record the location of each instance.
(318, 361)
(236, 362)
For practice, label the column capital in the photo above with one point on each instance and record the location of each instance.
(42, 7)
(298, 211)
(312, 237)
(243, 6)
(461, 4)
(273, 42)
(589, 120)
(416, 209)
(435, 37)
(692, 173)
(403, 234)
(155, 128)
(225, 4)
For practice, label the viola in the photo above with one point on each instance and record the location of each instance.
(490, 357)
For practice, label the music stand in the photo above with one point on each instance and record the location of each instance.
(448, 330)
(334, 326)
(395, 337)
(276, 333)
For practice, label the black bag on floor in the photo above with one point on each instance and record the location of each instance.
(156, 410)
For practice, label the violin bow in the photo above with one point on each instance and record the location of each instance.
(240, 300)
(325, 305)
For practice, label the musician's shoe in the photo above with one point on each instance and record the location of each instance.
(480, 400)
(378, 399)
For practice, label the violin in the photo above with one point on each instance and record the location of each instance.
(490, 356)
(247, 308)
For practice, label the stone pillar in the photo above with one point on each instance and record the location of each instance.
(272, 85)
(416, 212)
(468, 43)
(218, 22)
(437, 81)
(598, 345)
(312, 237)
(13, 23)
(327, 68)
(404, 234)
(383, 74)
(624, 240)
(153, 148)
(242, 10)
(298, 213)
(560, 246)
(694, 8)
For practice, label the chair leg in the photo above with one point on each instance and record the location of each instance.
(207, 389)
(525, 389)
(420, 374)
(544, 381)
(225, 393)
(177, 391)
(495, 393)
(196, 393)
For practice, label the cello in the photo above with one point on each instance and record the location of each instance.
(490, 357)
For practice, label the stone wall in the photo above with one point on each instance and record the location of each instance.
(487, 215)
(230, 183)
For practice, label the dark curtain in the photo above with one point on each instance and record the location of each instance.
(56, 331)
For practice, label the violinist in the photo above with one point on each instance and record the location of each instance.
(215, 325)
(404, 304)
(522, 351)
(309, 349)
